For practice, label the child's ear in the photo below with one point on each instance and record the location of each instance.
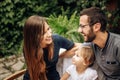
(86, 62)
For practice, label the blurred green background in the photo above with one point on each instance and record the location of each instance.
(62, 15)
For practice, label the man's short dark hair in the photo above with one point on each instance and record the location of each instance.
(95, 15)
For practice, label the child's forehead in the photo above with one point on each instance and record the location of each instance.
(78, 51)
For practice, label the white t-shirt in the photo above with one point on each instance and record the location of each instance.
(88, 74)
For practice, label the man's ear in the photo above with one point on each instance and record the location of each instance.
(96, 27)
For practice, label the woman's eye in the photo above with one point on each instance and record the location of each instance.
(48, 28)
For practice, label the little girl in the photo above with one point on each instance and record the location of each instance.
(80, 70)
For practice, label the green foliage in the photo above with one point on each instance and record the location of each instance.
(10, 33)
(114, 21)
(66, 27)
(78, 5)
(13, 14)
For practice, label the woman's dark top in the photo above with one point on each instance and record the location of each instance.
(59, 42)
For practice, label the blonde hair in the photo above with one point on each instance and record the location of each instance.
(87, 53)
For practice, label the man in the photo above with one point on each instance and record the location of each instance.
(92, 25)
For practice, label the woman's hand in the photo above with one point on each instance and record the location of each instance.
(71, 52)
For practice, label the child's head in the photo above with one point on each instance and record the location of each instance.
(83, 55)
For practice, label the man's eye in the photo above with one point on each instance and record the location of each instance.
(82, 26)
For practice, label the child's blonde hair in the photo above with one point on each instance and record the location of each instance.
(87, 53)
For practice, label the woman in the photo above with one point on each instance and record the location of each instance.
(41, 49)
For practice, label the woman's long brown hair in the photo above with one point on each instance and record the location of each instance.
(33, 35)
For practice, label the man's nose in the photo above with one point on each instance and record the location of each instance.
(80, 30)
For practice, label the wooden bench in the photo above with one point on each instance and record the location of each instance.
(15, 75)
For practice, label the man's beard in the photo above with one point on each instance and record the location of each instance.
(91, 36)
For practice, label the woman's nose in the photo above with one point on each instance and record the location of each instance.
(50, 32)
